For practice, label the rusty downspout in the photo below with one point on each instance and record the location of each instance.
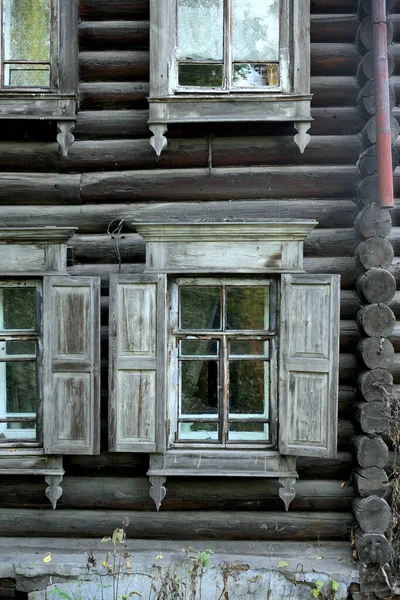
(382, 104)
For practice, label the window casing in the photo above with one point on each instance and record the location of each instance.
(229, 61)
(39, 63)
(223, 347)
(20, 362)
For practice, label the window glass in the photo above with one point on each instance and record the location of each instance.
(200, 29)
(18, 308)
(247, 308)
(199, 383)
(200, 307)
(248, 387)
(255, 30)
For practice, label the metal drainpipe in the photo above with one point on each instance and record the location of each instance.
(382, 103)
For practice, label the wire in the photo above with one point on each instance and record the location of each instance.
(115, 235)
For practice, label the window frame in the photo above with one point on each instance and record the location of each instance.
(227, 61)
(176, 334)
(26, 335)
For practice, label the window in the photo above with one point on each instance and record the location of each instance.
(39, 50)
(223, 336)
(224, 353)
(20, 360)
(229, 60)
(49, 356)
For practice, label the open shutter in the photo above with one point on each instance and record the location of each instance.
(309, 361)
(71, 356)
(137, 362)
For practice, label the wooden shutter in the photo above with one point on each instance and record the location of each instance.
(137, 362)
(71, 356)
(309, 357)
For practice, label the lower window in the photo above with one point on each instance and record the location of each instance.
(223, 375)
(20, 352)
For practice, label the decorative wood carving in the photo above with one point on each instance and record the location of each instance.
(157, 489)
(54, 490)
(302, 138)
(158, 140)
(65, 137)
(287, 492)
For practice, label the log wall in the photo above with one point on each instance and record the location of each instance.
(111, 172)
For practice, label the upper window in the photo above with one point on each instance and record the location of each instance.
(20, 364)
(230, 45)
(229, 60)
(29, 44)
(224, 344)
(39, 62)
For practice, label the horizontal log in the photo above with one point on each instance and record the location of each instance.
(330, 59)
(330, 28)
(226, 184)
(115, 124)
(109, 95)
(44, 189)
(114, 65)
(86, 156)
(117, 9)
(330, 6)
(127, 493)
(179, 525)
(112, 35)
(95, 218)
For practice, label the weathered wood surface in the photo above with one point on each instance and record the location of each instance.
(373, 548)
(374, 252)
(40, 189)
(373, 221)
(127, 493)
(112, 35)
(376, 285)
(376, 352)
(372, 514)
(376, 319)
(370, 481)
(374, 417)
(121, 9)
(375, 384)
(178, 525)
(371, 451)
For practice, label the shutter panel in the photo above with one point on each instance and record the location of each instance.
(71, 357)
(137, 362)
(309, 361)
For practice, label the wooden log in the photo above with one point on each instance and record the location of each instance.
(333, 29)
(374, 252)
(127, 493)
(112, 96)
(376, 285)
(334, 91)
(375, 385)
(114, 65)
(368, 191)
(372, 481)
(364, 41)
(368, 161)
(178, 525)
(39, 157)
(374, 417)
(369, 131)
(372, 514)
(376, 319)
(371, 451)
(226, 184)
(373, 221)
(114, 35)
(365, 70)
(43, 189)
(117, 9)
(376, 352)
(333, 59)
(373, 548)
(366, 98)
(336, 120)
(103, 249)
(373, 580)
(97, 155)
(364, 8)
(332, 7)
(95, 218)
(111, 124)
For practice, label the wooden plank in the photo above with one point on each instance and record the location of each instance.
(226, 184)
(179, 525)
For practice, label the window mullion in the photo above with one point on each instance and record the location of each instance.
(228, 43)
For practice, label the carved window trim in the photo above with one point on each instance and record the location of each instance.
(169, 106)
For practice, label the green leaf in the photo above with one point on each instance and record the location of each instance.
(320, 584)
(315, 593)
(283, 563)
(335, 585)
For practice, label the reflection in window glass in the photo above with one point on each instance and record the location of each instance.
(21, 387)
(198, 348)
(248, 75)
(248, 348)
(27, 75)
(198, 431)
(247, 387)
(255, 30)
(199, 384)
(248, 432)
(200, 29)
(200, 75)
(247, 308)
(18, 308)
(200, 307)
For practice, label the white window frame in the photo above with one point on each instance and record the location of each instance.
(176, 334)
(25, 437)
(291, 102)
